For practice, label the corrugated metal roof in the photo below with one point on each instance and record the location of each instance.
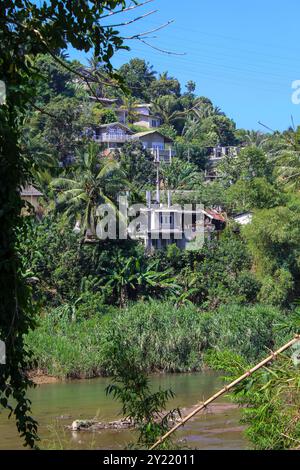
(117, 123)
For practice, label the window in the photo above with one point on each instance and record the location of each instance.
(158, 145)
(166, 219)
(218, 152)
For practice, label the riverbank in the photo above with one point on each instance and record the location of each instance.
(161, 337)
(39, 378)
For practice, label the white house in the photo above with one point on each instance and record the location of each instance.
(243, 219)
(112, 135)
(166, 224)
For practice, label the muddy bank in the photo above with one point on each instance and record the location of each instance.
(40, 378)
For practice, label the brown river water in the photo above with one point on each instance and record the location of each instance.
(56, 405)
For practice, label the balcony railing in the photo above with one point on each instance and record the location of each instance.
(112, 138)
(218, 153)
(163, 155)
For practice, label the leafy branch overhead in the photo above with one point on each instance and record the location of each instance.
(27, 30)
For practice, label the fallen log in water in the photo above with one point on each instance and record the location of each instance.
(93, 425)
(125, 423)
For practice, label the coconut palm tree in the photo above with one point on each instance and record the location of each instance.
(192, 128)
(180, 175)
(288, 169)
(256, 139)
(97, 180)
(203, 108)
(129, 105)
(166, 107)
(287, 160)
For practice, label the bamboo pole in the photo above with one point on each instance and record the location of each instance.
(225, 389)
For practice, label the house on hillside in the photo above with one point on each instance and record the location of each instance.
(145, 118)
(165, 224)
(214, 221)
(32, 197)
(244, 218)
(114, 135)
(158, 144)
(215, 156)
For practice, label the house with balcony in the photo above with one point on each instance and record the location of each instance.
(158, 144)
(215, 156)
(186, 227)
(114, 135)
(145, 118)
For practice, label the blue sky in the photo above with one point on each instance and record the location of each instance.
(243, 55)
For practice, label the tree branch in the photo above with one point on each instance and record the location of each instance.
(43, 111)
(137, 36)
(123, 10)
(56, 58)
(126, 23)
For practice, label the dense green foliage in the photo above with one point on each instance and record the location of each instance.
(76, 340)
(270, 397)
(145, 409)
(27, 30)
(273, 239)
(169, 307)
(119, 272)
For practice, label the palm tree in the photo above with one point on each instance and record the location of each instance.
(287, 160)
(256, 138)
(201, 110)
(192, 128)
(167, 108)
(180, 175)
(97, 180)
(288, 169)
(129, 105)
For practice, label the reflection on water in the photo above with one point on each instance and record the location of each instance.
(57, 405)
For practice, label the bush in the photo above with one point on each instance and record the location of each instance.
(65, 348)
(245, 330)
(270, 398)
(160, 336)
(168, 339)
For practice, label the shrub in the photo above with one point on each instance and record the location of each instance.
(160, 336)
(245, 330)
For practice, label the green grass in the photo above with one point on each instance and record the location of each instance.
(162, 337)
